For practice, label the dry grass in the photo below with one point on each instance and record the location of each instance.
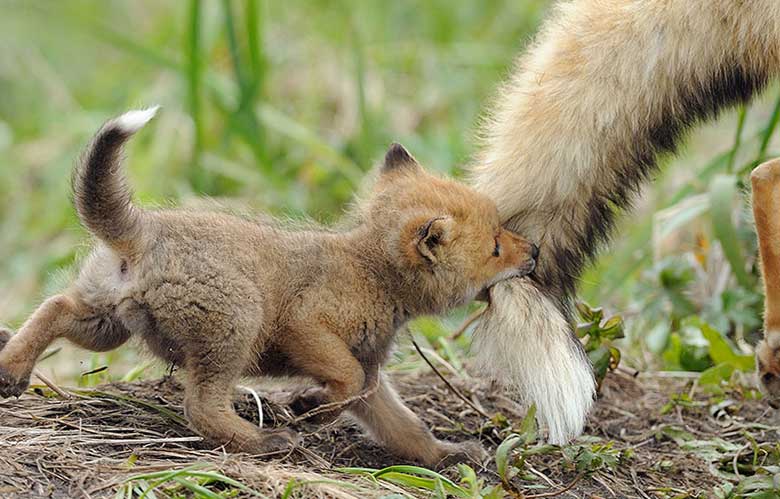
(90, 444)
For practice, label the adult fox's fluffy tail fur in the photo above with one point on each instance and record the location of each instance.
(608, 86)
(100, 192)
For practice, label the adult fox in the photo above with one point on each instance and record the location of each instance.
(608, 86)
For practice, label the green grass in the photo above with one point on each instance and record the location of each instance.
(192, 481)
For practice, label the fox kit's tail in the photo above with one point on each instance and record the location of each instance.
(607, 87)
(100, 192)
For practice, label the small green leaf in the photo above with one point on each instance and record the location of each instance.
(600, 358)
(499, 421)
(613, 328)
(584, 311)
(722, 352)
(528, 427)
(678, 435)
(468, 477)
(716, 374)
(502, 455)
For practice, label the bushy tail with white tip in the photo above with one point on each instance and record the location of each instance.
(101, 195)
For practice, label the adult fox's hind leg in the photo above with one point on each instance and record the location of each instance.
(59, 316)
(766, 211)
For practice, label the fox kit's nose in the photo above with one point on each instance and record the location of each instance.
(530, 264)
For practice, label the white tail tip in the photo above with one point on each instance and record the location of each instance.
(523, 341)
(132, 121)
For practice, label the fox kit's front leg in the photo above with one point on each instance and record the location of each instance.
(328, 359)
(394, 425)
(766, 211)
(59, 316)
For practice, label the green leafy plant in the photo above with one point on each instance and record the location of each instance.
(599, 334)
(725, 357)
(592, 457)
(699, 347)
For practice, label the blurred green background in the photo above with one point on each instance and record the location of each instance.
(282, 106)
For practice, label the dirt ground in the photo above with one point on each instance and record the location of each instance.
(649, 436)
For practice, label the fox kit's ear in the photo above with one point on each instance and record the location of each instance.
(397, 157)
(431, 236)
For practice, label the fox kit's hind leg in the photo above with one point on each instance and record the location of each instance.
(766, 211)
(209, 408)
(59, 316)
(394, 425)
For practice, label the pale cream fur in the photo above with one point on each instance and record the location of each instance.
(582, 119)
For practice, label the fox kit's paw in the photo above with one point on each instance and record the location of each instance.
(463, 452)
(257, 442)
(5, 335)
(10, 385)
(768, 363)
(310, 400)
(273, 441)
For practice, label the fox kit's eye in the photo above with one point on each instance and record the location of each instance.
(497, 249)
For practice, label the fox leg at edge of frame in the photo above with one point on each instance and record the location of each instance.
(765, 180)
(58, 316)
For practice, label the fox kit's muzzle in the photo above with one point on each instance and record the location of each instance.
(528, 267)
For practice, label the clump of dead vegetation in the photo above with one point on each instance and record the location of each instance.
(649, 436)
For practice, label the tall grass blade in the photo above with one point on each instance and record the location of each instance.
(365, 140)
(723, 191)
(198, 178)
(254, 32)
(766, 135)
(197, 489)
(135, 373)
(275, 120)
(244, 119)
(737, 139)
(161, 477)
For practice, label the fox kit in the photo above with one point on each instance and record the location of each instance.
(766, 212)
(607, 87)
(223, 297)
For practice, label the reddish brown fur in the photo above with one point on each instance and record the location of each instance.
(766, 211)
(224, 297)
